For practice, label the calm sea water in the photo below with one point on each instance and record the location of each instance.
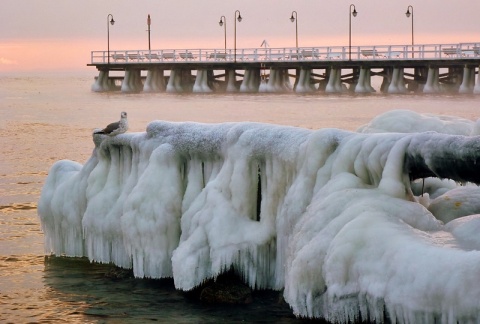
(48, 118)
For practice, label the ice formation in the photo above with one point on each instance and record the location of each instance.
(330, 216)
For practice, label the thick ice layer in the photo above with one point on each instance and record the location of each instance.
(406, 121)
(327, 215)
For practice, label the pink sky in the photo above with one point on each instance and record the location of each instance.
(59, 35)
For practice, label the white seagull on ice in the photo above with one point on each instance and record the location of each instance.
(116, 128)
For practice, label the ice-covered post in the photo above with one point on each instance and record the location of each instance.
(350, 14)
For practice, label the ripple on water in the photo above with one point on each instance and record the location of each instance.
(78, 291)
(18, 206)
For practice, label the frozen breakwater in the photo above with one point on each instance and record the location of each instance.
(332, 217)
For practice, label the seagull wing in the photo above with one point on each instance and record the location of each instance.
(111, 127)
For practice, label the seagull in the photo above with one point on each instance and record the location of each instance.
(116, 128)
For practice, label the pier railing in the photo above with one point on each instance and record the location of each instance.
(377, 52)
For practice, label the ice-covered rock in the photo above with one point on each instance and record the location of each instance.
(329, 216)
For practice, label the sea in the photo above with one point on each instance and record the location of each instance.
(47, 117)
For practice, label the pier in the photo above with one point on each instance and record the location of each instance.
(431, 68)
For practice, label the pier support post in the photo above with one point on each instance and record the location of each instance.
(387, 79)
(132, 82)
(231, 80)
(180, 81)
(363, 84)
(264, 80)
(468, 82)
(155, 81)
(277, 81)
(287, 86)
(476, 89)
(103, 83)
(201, 82)
(368, 81)
(304, 84)
(334, 81)
(251, 80)
(272, 81)
(432, 84)
(174, 81)
(397, 84)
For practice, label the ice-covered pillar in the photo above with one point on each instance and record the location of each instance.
(362, 85)
(287, 86)
(246, 80)
(231, 80)
(303, 84)
(201, 82)
(155, 81)
(186, 82)
(265, 81)
(132, 81)
(401, 81)
(272, 80)
(368, 81)
(251, 80)
(432, 86)
(467, 81)
(331, 81)
(397, 84)
(387, 79)
(276, 81)
(174, 81)
(301, 75)
(103, 82)
(334, 81)
(255, 81)
(476, 89)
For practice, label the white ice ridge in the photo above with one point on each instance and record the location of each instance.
(329, 215)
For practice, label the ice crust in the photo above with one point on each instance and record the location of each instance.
(330, 216)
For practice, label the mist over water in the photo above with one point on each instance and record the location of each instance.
(49, 118)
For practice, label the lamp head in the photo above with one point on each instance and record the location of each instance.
(292, 19)
(112, 22)
(220, 22)
(408, 13)
(239, 18)
(354, 13)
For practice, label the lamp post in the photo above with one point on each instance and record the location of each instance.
(295, 19)
(223, 22)
(350, 14)
(408, 15)
(111, 21)
(239, 18)
(149, 22)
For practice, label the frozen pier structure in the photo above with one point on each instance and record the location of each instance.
(421, 68)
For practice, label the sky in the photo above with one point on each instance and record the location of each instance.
(40, 35)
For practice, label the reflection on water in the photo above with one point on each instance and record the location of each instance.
(82, 291)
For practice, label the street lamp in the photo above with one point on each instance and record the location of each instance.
(350, 14)
(111, 21)
(149, 22)
(408, 16)
(239, 18)
(295, 19)
(223, 22)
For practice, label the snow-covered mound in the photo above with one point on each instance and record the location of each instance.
(329, 216)
(406, 121)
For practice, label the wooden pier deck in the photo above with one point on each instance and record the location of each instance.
(430, 68)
